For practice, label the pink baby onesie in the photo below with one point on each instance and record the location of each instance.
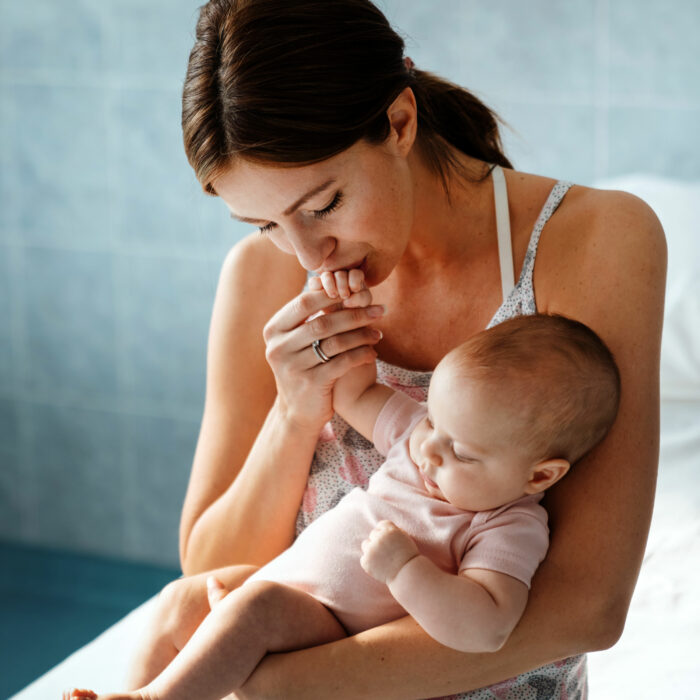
(324, 560)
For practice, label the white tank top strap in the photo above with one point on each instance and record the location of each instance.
(519, 299)
(505, 246)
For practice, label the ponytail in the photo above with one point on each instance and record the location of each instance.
(450, 115)
(298, 82)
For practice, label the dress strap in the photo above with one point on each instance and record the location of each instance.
(550, 206)
(505, 245)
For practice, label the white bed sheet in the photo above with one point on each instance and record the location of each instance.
(657, 655)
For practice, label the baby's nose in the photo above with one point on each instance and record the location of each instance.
(432, 453)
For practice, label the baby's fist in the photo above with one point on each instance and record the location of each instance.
(346, 285)
(386, 551)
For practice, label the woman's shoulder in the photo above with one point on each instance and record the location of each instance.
(588, 210)
(603, 261)
(592, 225)
(258, 278)
(603, 209)
(255, 260)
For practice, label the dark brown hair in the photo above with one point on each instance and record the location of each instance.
(553, 375)
(298, 81)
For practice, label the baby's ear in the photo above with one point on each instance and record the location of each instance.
(546, 473)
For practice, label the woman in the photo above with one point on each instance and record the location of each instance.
(308, 121)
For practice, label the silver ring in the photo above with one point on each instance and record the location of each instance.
(316, 345)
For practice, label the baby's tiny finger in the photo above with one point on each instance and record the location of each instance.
(341, 283)
(358, 299)
(328, 281)
(356, 280)
(315, 284)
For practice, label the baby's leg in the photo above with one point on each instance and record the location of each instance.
(255, 619)
(250, 622)
(180, 609)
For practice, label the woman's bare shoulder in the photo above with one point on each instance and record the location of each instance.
(603, 237)
(256, 280)
(602, 209)
(256, 264)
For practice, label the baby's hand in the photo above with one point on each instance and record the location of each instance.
(346, 285)
(386, 551)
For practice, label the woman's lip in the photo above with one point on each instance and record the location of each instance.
(352, 266)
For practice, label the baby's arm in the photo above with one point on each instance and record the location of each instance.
(356, 395)
(473, 611)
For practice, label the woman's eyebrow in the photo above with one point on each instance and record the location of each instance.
(308, 196)
(294, 207)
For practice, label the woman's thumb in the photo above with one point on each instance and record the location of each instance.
(216, 591)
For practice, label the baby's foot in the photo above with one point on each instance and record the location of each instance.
(81, 694)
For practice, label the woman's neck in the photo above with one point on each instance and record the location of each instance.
(448, 227)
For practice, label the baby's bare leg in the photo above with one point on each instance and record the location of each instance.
(181, 608)
(256, 619)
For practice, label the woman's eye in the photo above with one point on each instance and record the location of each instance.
(335, 203)
(318, 214)
(266, 228)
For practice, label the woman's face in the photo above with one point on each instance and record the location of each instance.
(354, 210)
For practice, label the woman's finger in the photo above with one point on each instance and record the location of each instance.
(328, 372)
(327, 325)
(216, 591)
(338, 344)
(295, 312)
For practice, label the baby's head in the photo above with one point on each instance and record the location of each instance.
(512, 408)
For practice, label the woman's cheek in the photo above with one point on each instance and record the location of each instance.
(280, 241)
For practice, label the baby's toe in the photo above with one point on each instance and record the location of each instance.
(79, 694)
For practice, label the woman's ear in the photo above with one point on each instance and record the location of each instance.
(544, 474)
(403, 121)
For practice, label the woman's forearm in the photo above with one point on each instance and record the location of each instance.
(253, 520)
(399, 660)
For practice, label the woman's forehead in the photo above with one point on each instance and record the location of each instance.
(253, 188)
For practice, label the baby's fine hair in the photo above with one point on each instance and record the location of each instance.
(562, 382)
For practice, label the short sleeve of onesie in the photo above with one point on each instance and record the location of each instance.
(396, 420)
(512, 540)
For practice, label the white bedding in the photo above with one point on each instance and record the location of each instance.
(657, 655)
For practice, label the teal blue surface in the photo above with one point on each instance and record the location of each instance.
(52, 603)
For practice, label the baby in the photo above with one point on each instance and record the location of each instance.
(449, 530)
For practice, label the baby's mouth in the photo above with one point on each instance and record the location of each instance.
(428, 480)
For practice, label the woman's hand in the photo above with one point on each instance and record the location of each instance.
(336, 311)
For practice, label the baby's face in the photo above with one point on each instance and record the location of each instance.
(462, 449)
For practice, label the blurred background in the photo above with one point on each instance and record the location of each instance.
(109, 251)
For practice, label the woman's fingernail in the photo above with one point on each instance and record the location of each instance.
(376, 310)
(377, 333)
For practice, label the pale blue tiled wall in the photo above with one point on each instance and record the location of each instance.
(109, 253)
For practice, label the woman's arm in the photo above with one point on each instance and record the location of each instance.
(216, 528)
(248, 481)
(612, 277)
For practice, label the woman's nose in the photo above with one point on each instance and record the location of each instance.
(311, 251)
